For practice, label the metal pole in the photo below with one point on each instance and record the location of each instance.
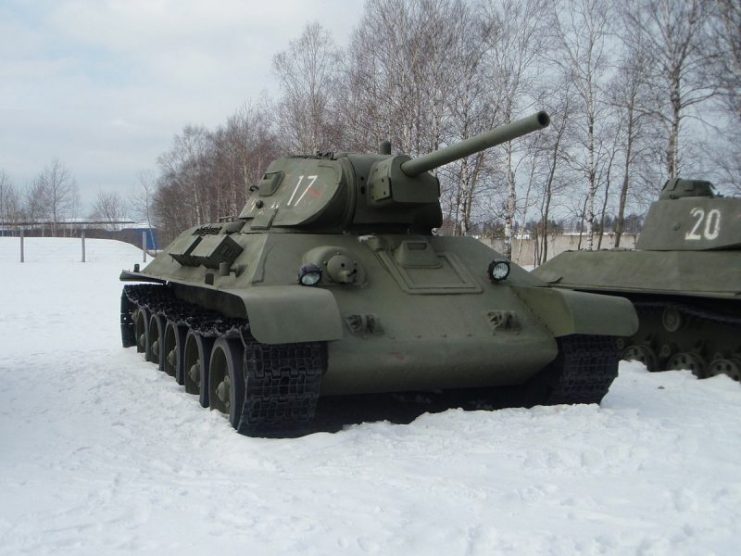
(82, 236)
(22, 257)
(144, 245)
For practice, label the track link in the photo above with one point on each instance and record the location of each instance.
(581, 373)
(282, 386)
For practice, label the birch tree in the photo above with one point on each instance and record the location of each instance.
(514, 39)
(582, 30)
(671, 35)
(627, 96)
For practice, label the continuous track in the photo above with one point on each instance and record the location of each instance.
(581, 373)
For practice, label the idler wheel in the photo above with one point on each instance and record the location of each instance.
(173, 350)
(672, 319)
(226, 379)
(195, 365)
(141, 327)
(155, 335)
(643, 354)
(730, 367)
(689, 361)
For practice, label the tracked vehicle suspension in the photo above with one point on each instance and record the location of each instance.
(278, 385)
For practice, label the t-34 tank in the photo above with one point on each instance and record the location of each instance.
(331, 282)
(684, 280)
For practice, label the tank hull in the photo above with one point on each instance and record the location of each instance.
(431, 326)
(421, 313)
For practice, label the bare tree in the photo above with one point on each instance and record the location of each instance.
(10, 207)
(582, 30)
(553, 153)
(514, 37)
(309, 72)
(724, 45)
(54, 194)
(109, 207)
(206, 173)
(142, 202)
(35, 206)
(627, 97)
(671, 35)
(468, 109)
(182, 167)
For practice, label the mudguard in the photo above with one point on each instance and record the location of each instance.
(289, 314)
(567, 312)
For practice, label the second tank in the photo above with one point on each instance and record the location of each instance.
(684, 279)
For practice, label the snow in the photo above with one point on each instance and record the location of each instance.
(102, 454)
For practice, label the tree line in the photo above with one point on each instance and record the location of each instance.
(639, 92)
(51, 198)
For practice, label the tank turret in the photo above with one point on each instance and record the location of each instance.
(689, 217)
(348, 190)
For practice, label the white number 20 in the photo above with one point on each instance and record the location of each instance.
(711, 227)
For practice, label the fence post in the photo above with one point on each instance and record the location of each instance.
(82, 236)
(22, 257)
(144, 245)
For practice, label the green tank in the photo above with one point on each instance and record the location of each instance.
(684, 279)
(331, 282)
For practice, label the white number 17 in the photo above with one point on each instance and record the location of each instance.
(311, 180)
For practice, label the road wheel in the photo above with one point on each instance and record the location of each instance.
(141, 327)
(642, 353)
(173, 350)
(687, 360)
(155, 335)
(730, 367)
(195, 364)
(226, 381)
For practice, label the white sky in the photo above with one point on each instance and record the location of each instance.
(104, 85)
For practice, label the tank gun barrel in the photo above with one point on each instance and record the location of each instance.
(496, 136)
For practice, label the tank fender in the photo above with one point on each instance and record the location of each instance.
(567, 312)
(289, 314)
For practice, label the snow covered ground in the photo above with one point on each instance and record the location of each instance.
(102, 454)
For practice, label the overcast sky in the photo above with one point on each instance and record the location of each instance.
(104, 85)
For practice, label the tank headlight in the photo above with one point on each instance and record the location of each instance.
(309, 275)
(498, 270)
